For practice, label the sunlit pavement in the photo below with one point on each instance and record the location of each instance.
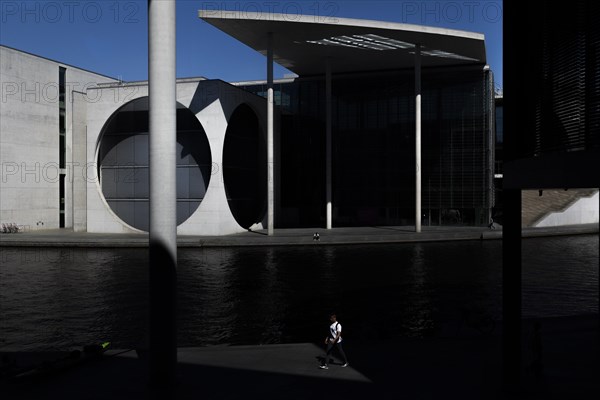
(283, 237)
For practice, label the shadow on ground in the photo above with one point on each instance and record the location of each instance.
(465, 367)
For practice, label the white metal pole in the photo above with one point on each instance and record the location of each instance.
(418, 138)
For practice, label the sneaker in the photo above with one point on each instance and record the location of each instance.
(323, 367)
(344, 365)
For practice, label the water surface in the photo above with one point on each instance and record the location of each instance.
(54, 298)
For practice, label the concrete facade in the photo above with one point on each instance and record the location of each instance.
(29, 134)
(30, 194)
(212, 102)
(583, 211)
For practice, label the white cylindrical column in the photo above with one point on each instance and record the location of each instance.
(328, 144)
(270, 128)
(163, 191)
(418, 138)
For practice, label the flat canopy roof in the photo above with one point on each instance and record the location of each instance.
(302, 43)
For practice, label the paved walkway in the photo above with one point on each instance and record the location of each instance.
(463, 366)
(283, 237)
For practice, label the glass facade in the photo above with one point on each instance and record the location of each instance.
(62, 142)
(123, 163)
(564, 81)
(373, 148)
(498, 159)
(62, 111)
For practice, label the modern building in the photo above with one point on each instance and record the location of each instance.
(97, 181)
(383, 122)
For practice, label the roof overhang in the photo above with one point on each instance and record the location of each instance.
(303, 43)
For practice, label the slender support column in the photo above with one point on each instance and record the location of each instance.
(270, 173)
(418, 138)
(511, 290)
(163, 189)
(516, 18)
(328, 148)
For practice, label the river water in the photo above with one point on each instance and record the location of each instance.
(60, 298)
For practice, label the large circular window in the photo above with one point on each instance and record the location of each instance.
(123, 163)
(245, 167)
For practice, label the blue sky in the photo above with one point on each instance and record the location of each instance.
(110, 36)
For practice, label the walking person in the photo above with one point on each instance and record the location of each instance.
(334, 340)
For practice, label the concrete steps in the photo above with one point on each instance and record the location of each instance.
(536, 207)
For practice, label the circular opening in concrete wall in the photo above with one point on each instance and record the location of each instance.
(245, 167)
(123, 163)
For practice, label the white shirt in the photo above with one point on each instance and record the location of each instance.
(334, 329)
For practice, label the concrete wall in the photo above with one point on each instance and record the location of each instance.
(99, 217)
(78, 174)
(78, 81)
(29, 137)
(583, 211)
(212, 102)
